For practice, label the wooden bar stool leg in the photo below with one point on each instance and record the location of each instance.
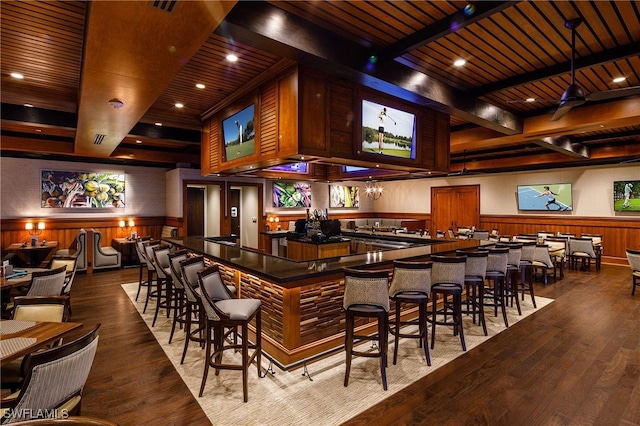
(348, 345)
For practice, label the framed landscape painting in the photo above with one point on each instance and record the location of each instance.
(88, 190)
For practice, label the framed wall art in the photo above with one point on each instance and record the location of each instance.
(86, 190)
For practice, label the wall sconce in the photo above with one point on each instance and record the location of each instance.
(373, 190)
(128, 225)
(274, 221)
(34, 231)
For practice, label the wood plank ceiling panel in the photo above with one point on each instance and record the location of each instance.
(220, 77)
(44, 43)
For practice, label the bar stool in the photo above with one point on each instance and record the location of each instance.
(526, 265)
(411, 284)
(164, 280)
(513, 267)
(447, 279)
(151, 271)
(142, 263)
(366, 295)
(474, 275)
(194, 309)
(496, 273)
(633, 256)
(223, 312)
(179, 306)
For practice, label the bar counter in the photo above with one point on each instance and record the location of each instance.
(302, 313)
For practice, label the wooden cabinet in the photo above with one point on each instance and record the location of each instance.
(297, 250)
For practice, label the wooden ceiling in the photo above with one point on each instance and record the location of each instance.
(76, 56)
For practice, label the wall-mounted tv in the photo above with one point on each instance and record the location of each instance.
(351, 169)
(626, 196)
(238, 131)
(289, 168)
(344, 196)
(545, 197)
(291, 195)
(387, 131)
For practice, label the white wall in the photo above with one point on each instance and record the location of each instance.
(592, 190)
(250, 212)
(20, 191)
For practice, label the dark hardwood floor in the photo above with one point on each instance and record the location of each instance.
(577, 361)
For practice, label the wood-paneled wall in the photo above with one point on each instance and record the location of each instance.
(64, 231)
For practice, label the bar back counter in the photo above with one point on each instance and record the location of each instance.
(302, 316)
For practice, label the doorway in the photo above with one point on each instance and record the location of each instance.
(455, 206)
(195, 210)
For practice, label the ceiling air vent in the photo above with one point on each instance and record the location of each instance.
(165, 5)
(98, 138)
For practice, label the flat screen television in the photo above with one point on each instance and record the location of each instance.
(351, 169)
(289, 168)
(238, 131)
(291, 195)
(344, 196)
(626, 196)
(545, 197)
(387, 131)
(330, 228)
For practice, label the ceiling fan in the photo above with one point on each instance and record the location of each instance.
(464, 170)
(574, 95)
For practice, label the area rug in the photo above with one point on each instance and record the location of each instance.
(291, 398)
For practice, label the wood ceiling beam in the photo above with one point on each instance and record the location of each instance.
(442, 28)
(269, 28)
(132, 52)
(606, 56)
(611, 115)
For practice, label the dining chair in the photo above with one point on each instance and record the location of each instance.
(33, 308)
(78, 249)
(411, 285)
(480, 234)
(474, 276)
(447, 279)
(633, 256)
(223, 316)
(47, 283)
(55, 380)
(544, 262)
(71, 262)
(104, 257)
(581, 249)
(366, 295)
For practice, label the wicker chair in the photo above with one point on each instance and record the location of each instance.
(55, 380)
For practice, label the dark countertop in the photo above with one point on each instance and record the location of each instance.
(286, 272)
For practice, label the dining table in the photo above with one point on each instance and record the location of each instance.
(20, 337)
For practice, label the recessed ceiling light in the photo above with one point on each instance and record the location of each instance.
(29, 105)
(158, 123)
(531, 99)
(17, 75)
(179, 105)
(138, 141)
(302, 158)
(38, 130)
(619, 79)
(231, 57)
(200, 86)
(459, 62)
